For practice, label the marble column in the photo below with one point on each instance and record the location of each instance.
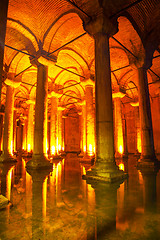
(90, 135)
(3, 23)
(30, 130)
(39, 160)
(137, 127)
(60, 143)
(118, 126)
(105, 168)
(83, 127)
(8, 127)
(148, 154)
(53, 125)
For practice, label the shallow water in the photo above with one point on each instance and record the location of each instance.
(60, 205)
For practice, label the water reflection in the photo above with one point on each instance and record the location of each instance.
(60, 205)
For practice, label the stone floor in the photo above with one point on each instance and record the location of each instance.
(63, 206)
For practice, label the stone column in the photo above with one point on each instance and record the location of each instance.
(148, 154)
(105, 168)
(30, 130)
(8, 127)
(137, 125)
(60, 144)
(39, 160)
(119, 139)
(3, 23)
(24, 142)
(83, 127)
(90, 135)
(53, 125)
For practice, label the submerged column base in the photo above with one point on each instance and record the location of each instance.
(105, 172)
(148, 162)
(7, 157)
(38, 161)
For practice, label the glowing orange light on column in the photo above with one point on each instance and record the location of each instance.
(121, 166)
(9, 179)
(11, 148)
(90, 153)
(84, 148)
(121, 149)
(44, 196)
(139, 147)
(29, 147)
(53, 150)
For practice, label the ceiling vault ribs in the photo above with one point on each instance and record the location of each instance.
(67, 43)
(69, 86)
(19, 51)
(125, 47)
(74, 5)
(125, 8)
(69, 71)
(23, 71)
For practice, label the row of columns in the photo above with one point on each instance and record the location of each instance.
(105, 168)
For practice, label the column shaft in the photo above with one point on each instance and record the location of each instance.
(40, 110)
(119, 143)
(8, 122)
(103, 97)
(90, 136)
(39, 160)
(30, 131)
(145, 116)
(3, 23)
(53, 126)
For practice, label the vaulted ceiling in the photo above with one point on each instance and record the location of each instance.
(44, 29)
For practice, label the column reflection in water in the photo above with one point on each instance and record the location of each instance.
(105, 210)
(38, 202)
(151, 222)
(6, 176)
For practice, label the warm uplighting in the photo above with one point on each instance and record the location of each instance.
(9, 180)
(59, 147)
(139, 148)
(140, 177)
(121, 166)
(44, 196)
(29, 147)
(120, 149)
(90, 152)
(84, 148)
(11, 148)
(53, 150)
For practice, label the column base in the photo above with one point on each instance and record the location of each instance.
(7, 158)
(108, 173)
(148, 162)
(38, 161)
(87, 159)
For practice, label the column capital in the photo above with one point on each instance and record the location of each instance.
(30, 101)
(101, 24)
(119, 93)
(12, 81)
(88, 82)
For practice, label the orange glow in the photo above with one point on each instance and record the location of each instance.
(11, 148)
(29, 147)
(121, 166)
(84, 148)
(9, 180)
(139, 147)
(44, 194)
(120, 149)
(53, 150)
(140, 177)
(59, 147)
(90, 152)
